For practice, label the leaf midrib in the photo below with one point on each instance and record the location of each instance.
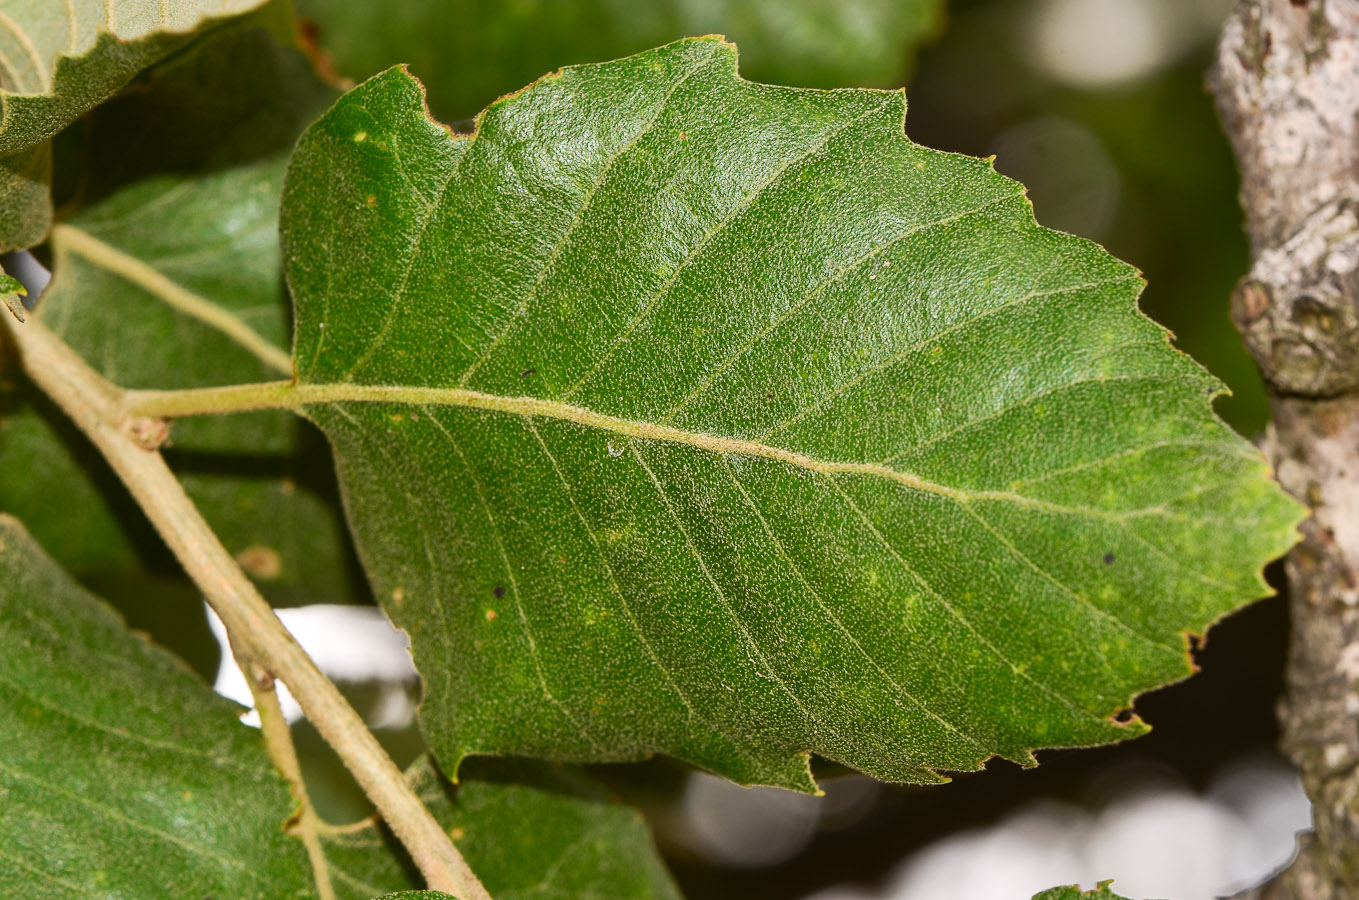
(290, 395)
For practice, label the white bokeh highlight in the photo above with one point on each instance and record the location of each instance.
(1095, 44)
(1156, 840)
(350, 644)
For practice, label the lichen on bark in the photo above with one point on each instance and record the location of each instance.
(1287, 88)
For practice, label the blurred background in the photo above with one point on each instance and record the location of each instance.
(1099, 107)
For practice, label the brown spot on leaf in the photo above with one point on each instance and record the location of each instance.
(499, 591)
(261, 562)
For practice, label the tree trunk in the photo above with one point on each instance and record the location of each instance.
(1287, 89)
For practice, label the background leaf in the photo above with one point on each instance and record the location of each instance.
(178, 222)
(112, 754)
(58, 61)
(526, 829)
(680, 414)
(121, 774)
(467, 53)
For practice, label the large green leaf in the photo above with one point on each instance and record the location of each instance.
(121, 774)
(175, 280)
(527, 830)
(676, 413)
(59, 60)
(468, 52)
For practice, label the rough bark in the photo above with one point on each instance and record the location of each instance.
(1287, 88)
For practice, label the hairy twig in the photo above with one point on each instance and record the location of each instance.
(278, 741)
(97, 408)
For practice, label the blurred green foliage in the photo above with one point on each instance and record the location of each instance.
(468, 52)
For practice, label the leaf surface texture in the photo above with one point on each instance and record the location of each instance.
(676, 413)
(122, 774)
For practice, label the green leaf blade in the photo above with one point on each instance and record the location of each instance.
(57, 62)
(676, 413)
(63, 61)
(113, 754)
(122, 774)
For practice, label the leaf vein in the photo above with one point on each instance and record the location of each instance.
(901, 355)
(820, 601)
(117, 815)
(962, 620)
(534, 653)
(721, 595)
(129, 736)
(613, 581)
(816, 289)
(579, 215)
(736, 211)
